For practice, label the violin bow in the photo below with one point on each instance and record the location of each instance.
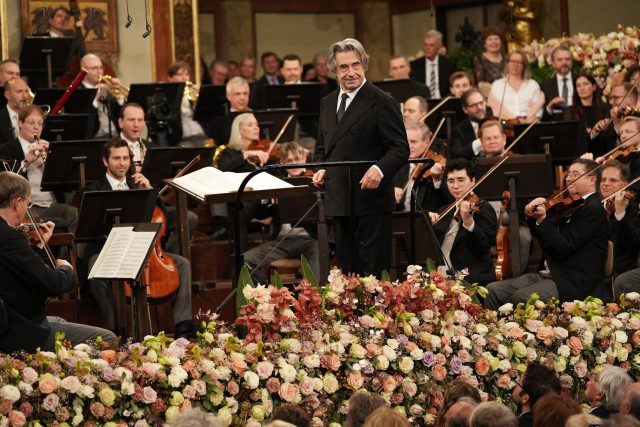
(435, 108)
(611, 196)
(181, 172)
(46, 247)
(524, 132)
(504, 92)
(433, 135)
(284, 127)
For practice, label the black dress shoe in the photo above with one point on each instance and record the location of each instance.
(185, 329)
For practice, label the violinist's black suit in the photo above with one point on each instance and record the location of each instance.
(575, 250)
(371, 129)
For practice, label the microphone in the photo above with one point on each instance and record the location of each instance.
(129, 18)
(146, 33)
(433, 9)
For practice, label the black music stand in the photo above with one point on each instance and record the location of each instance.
(526, 177)
(42, 57)
(67, 127)
(212, 102)
(71, 164)
(80, 102)
(400, 89)
(303, 96)
(162, 163)
(271, 121)
(452, 110)
(403, 242)
(561, 138)
(161, 103)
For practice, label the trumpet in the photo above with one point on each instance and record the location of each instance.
(116, 89)
(191, 91)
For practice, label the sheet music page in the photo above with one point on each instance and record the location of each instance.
(123, 254)
(209, 180)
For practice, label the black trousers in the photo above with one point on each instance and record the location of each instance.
(364, 247)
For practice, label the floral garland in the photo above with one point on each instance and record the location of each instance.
(605, 57)
(405, 340)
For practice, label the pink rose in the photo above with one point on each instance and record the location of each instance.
(389, 384)
(516, 333)
(287, 392)
(409, 388)
(355, 380)
(503, 381)
(233, 388)
(189, 391)
(273, 385)
(149, 369)
(307, 386)
(482, 366)
(48, 385)
(149, 395)
(331, 361)
(264, 369)
(545, 334)
(29, 375)
(50, 402)
(239, 366)
(373, 350)
(17, 419)
(71, 384)
(439, 372)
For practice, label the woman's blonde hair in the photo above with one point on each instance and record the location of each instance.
(235, 140)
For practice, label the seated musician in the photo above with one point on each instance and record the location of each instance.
(16, 93)
(237, 157)
(299, 240)
(459, 83)
(414, 109)
(605, 134)
(108, 100)
(116, 156)
(132, 123)
(419, 137)
(237, 94)
(399, 68)
(575, 246)
(306, 128)
(9, 70)
(27, 281)
(624, 222)
(466, 236)
(464, 138)
(192, 133)
(28, 153)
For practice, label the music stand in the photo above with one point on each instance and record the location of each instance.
(526, 177)
(452, 110)
(561, 137)
(212, 102)
(400, 90)
(67, 127)
(303, 96)
(71, 164)
(162, 163)
(49, 56)
(81, 100)
(100, 210)
(425, 248)
(271, 121)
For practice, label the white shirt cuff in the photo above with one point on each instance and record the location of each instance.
(470, 228)
(380, 171)
(476, 146)
(620, 217)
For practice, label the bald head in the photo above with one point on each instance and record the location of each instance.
(460, 412)
(17, 93)
(92, 64)
(9, 69)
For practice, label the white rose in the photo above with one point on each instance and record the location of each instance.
(10, 393)
(632, 296)
(394, 344)
(312, 361)
(503, 350)
(417, 353)
(587, 337)
(127, 388)
(389, 353)
(406, 365)
(225, 416)
(381, 363)
(288, 373)
(480, 328)
(357, 351)
(564, 350)
(505, 309)
(621, 337)
(251, 379)
(622, 354)
(560, 364)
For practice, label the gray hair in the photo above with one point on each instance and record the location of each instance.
(194, 417)
(562, 47)
(434, 34)
(613, 380)
(235, 140)
(347, 45)
(12, 186)
(493, 414)
(236, 81)
(582, 420)
(320, 55)
(425, 132)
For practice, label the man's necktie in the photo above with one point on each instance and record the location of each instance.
(432, 79)
(122, 186)
(565, 91)
(343, 107)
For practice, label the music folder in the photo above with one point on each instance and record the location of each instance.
(125, 252)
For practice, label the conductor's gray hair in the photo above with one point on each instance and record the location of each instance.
(347, 45)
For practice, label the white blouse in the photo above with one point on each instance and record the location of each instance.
(518, 102)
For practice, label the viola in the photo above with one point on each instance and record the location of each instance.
(503, 260)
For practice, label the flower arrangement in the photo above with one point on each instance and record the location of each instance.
(405, 340)
(604, 57)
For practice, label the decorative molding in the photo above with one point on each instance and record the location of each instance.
(4, 33)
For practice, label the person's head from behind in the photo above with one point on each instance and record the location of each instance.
(361, 404)
(620, 420)
(292, 414)
(15, 193)
(554, 410)
(493, 414)
(630, 402)
(458, 389)
(583, 420)
(194, 417)
(610, 382)
(116, 157)
(537, 381)
(459, 414)
(386, 417)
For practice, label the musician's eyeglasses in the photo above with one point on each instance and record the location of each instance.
(29, 202)
(477, 104)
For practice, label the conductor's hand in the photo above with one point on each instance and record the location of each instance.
(371, 179)
(140, 180)
(63, 263)
(318, 178)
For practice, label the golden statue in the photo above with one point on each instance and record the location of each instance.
(522, 18)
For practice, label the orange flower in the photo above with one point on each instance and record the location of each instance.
(482, 366)
(108, 355)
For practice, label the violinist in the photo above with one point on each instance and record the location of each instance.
(29, 153)
(116, 157)
(492, 139)
(605, 133)
(419, 137)
(624, 222)
(464, 138)
(27, 281)
(574, 245)
(467, 234)
(299, 241)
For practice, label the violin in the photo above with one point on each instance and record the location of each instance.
(269, 147)
(437, 158)
(556, 205)
(28, 229)
(623, 155)
(610, 205)
(503, 260)
(474, 205)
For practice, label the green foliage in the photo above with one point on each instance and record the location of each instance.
(385, 276)
(464, 57)
(243, 280)
(276, 280)
(307, 272)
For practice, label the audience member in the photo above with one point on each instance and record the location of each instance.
(459, 414)
(248, 69)
(493, 414)
(9, 69)
(194, 417)
(433, 69)
(291, 413)
(554, 410)
(604, 390)
(583, 420)
(620, 420)
(630, 403)
(537, 381)
(454, 392)
(399, 69)
(219, 72)
(558, 90)
(386, 417)
(488, 66)
(459, 83)
(361, 404)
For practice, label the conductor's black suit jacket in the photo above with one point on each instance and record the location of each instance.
(371, 129)
(25, 286)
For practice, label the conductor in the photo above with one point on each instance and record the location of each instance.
(359, 122)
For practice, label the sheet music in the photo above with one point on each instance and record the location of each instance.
(209, 180)
(123, 254)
